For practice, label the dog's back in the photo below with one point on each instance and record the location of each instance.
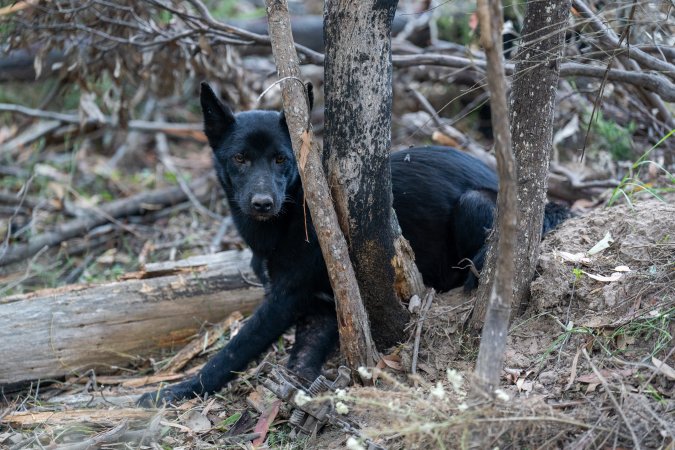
(444, 201)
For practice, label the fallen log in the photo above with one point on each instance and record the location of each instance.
(56, 332)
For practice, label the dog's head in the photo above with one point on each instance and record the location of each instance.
(253, 156)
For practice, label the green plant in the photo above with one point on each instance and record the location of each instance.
(654, 327)
(617, 139)
(577, 273)
(631, 182)
(455, 28)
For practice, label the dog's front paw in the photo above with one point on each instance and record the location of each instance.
(167, 395)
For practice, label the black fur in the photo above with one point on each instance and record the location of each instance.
(444, 200)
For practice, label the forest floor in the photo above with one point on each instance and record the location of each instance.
(589, 361)
(588, 365)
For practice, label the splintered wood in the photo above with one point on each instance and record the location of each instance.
(52, 333)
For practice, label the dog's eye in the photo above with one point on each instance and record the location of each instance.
(239, 158)
(280, 159)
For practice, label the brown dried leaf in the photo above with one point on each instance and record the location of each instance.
(591, 378)
(265, 422)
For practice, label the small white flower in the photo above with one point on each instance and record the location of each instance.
(301, 398)
(462, 407)
(438, 391)
(365, 373)
(426, 427)
(354, 444)
(455, 379)
(501, 395)
(340, 393)
(341, 408)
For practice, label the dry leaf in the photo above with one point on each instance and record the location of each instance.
(592, 378)
(197, 422)
(591, 387)
(567, 131)
(613, 277)
(265, 421)
(89, 109)
(256, 400)
(444, 139)
(573, 370)
(603, 244)
(524, 385)
(573, 257)
(392, 361)
(663, 368)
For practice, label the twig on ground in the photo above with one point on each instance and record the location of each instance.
(105, 437)
(118, 208)
(617, 407)
(165, 157)
(576, 183)
(428, 299)
(225, 225)
(199, 344)
(33, 133)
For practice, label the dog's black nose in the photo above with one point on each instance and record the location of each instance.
(262, 203)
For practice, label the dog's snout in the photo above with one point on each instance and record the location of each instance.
(262, 203)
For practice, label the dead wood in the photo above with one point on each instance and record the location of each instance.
(500, 294)
(56, 332)
(355, 340)
(424, 309)
(199, 344)
(192, 130)
(157, 199)
(101, 417)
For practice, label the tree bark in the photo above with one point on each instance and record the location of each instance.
(532, 109)
(358, 95)
(493, 339)
(355, 339)
(56, 332)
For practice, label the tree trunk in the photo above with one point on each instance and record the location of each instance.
(355, 339)
(532, 108)
(56, 332)
(493, 339)
(358, 94)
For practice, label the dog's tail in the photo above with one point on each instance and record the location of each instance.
(554, 215)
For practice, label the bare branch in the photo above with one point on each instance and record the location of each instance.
(140, 125)
(99, 215)
(493, 338)
(611, 40)
(652, 82)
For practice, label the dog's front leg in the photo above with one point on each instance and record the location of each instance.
(274, 316)
(316, 336)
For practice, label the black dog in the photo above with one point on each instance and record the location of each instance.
(444, 200)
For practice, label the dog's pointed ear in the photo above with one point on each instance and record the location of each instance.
(217, 115)
(310, 103)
